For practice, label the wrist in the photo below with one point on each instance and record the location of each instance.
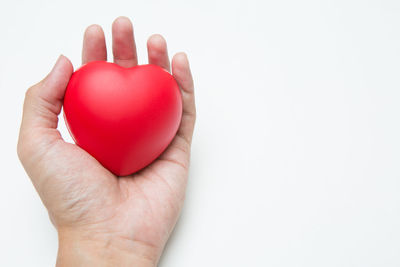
(84, 249)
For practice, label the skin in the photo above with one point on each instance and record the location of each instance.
(102, 219)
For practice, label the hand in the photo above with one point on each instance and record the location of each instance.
(101, 219)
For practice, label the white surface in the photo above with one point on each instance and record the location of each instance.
(297, 147)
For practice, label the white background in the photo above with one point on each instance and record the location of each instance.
(297, 146)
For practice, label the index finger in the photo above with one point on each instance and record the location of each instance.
(94, 44)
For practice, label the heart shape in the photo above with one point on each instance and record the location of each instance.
(123, 117)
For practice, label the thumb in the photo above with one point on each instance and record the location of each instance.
(42, 104)
(43, 101)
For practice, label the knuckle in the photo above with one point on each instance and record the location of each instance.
(30, 92)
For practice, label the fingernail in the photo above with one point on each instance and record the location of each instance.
(57, 64)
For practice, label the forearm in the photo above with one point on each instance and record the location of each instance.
(80, 250)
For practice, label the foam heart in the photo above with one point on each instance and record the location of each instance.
(123, 117)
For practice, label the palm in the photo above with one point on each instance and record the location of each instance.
(142, 206)
(77, 190)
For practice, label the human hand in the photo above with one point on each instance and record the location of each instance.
(102, 219)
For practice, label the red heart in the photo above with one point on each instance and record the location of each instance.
(124, 117)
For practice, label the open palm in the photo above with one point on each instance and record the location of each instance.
(139, 210)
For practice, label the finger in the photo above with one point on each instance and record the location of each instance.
(42, 105)
(182, 74)
(94, 44)
(44, 100)
(157, 51)
(124, 48)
